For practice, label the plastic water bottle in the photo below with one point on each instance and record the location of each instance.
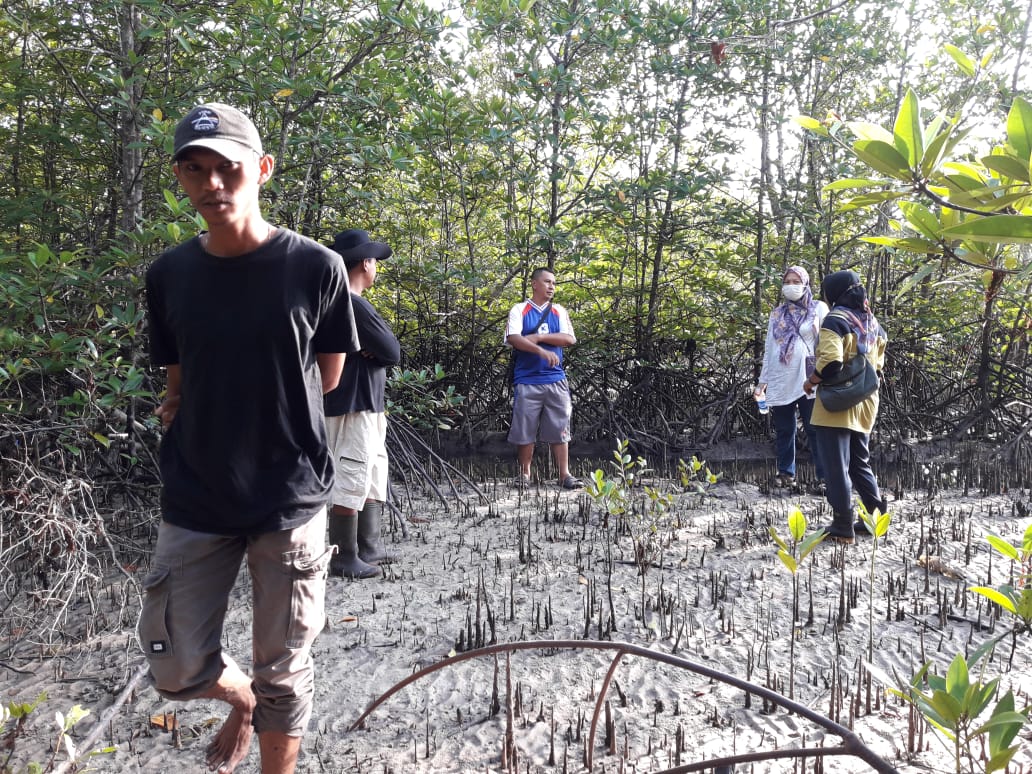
(761, 402)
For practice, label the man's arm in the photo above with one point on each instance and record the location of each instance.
(166, 411)
(330, 366)
(528, 344)
(553, 339)
(379, 343)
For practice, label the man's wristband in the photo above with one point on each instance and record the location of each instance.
(811, 381)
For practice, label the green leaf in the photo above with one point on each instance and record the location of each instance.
(921, 218)
(788, 560)
(1002, 720)
(882, 525)
(811, 542)
(921, 674)
(1001, 599)
(171, 200)
(869, 199)
(883, 157)
(1001, 545)
(942, 710)
(1001, 736)
(852, 182)
(796, 524)
(1023, 609)
(978, 697)
(963, 60)
(955, 138)
(812, 125)
(963, 184)
(1007, 166)
(934, 151)
(965, 169)
(908, 131)
(986, 199)
(986, 647)
(1006, 229)
(1004, 726)
(866, 131)
(777, 539)
(910, 244)
(183, 43)
(1019, 128)
(957, 679)
(1000, 760)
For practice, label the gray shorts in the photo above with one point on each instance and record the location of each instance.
(541, 410)
(358, 447)
(186, 596)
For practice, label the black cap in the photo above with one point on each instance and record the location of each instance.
(354, 245)
(220, 128)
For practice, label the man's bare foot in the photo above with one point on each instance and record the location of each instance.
(230, 744)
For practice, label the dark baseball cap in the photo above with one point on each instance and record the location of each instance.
(220, 128)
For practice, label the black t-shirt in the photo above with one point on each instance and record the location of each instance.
(246, 452)
(364, 379)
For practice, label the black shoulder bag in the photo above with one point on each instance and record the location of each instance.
(855, 382)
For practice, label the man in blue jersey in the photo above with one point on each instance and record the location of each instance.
(538, 330)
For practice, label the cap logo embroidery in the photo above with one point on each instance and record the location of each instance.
(206, 121)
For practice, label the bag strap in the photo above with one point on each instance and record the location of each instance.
(543, 315)
(854, 324)
(812, 346)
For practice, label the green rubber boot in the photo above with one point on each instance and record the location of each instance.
(371, 547)
(346, 563)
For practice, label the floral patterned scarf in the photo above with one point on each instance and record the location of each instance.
(789, 317)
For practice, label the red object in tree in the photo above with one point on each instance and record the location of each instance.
(718, 51)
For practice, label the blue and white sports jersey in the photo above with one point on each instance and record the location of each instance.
(524, 319)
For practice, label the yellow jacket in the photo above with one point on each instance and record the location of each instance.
(831, 348)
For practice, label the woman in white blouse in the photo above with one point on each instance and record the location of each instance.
(788, 358)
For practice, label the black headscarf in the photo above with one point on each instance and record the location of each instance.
(843, 289)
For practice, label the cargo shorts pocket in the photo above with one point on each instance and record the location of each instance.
(153, 627)
(307, 596)
(351, 472)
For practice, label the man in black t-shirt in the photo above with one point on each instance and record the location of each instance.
(356, 425)
(250, 322)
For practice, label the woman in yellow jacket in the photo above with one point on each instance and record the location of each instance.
(843, 436)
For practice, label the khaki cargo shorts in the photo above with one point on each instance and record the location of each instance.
(187, 593)
(358, 447)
